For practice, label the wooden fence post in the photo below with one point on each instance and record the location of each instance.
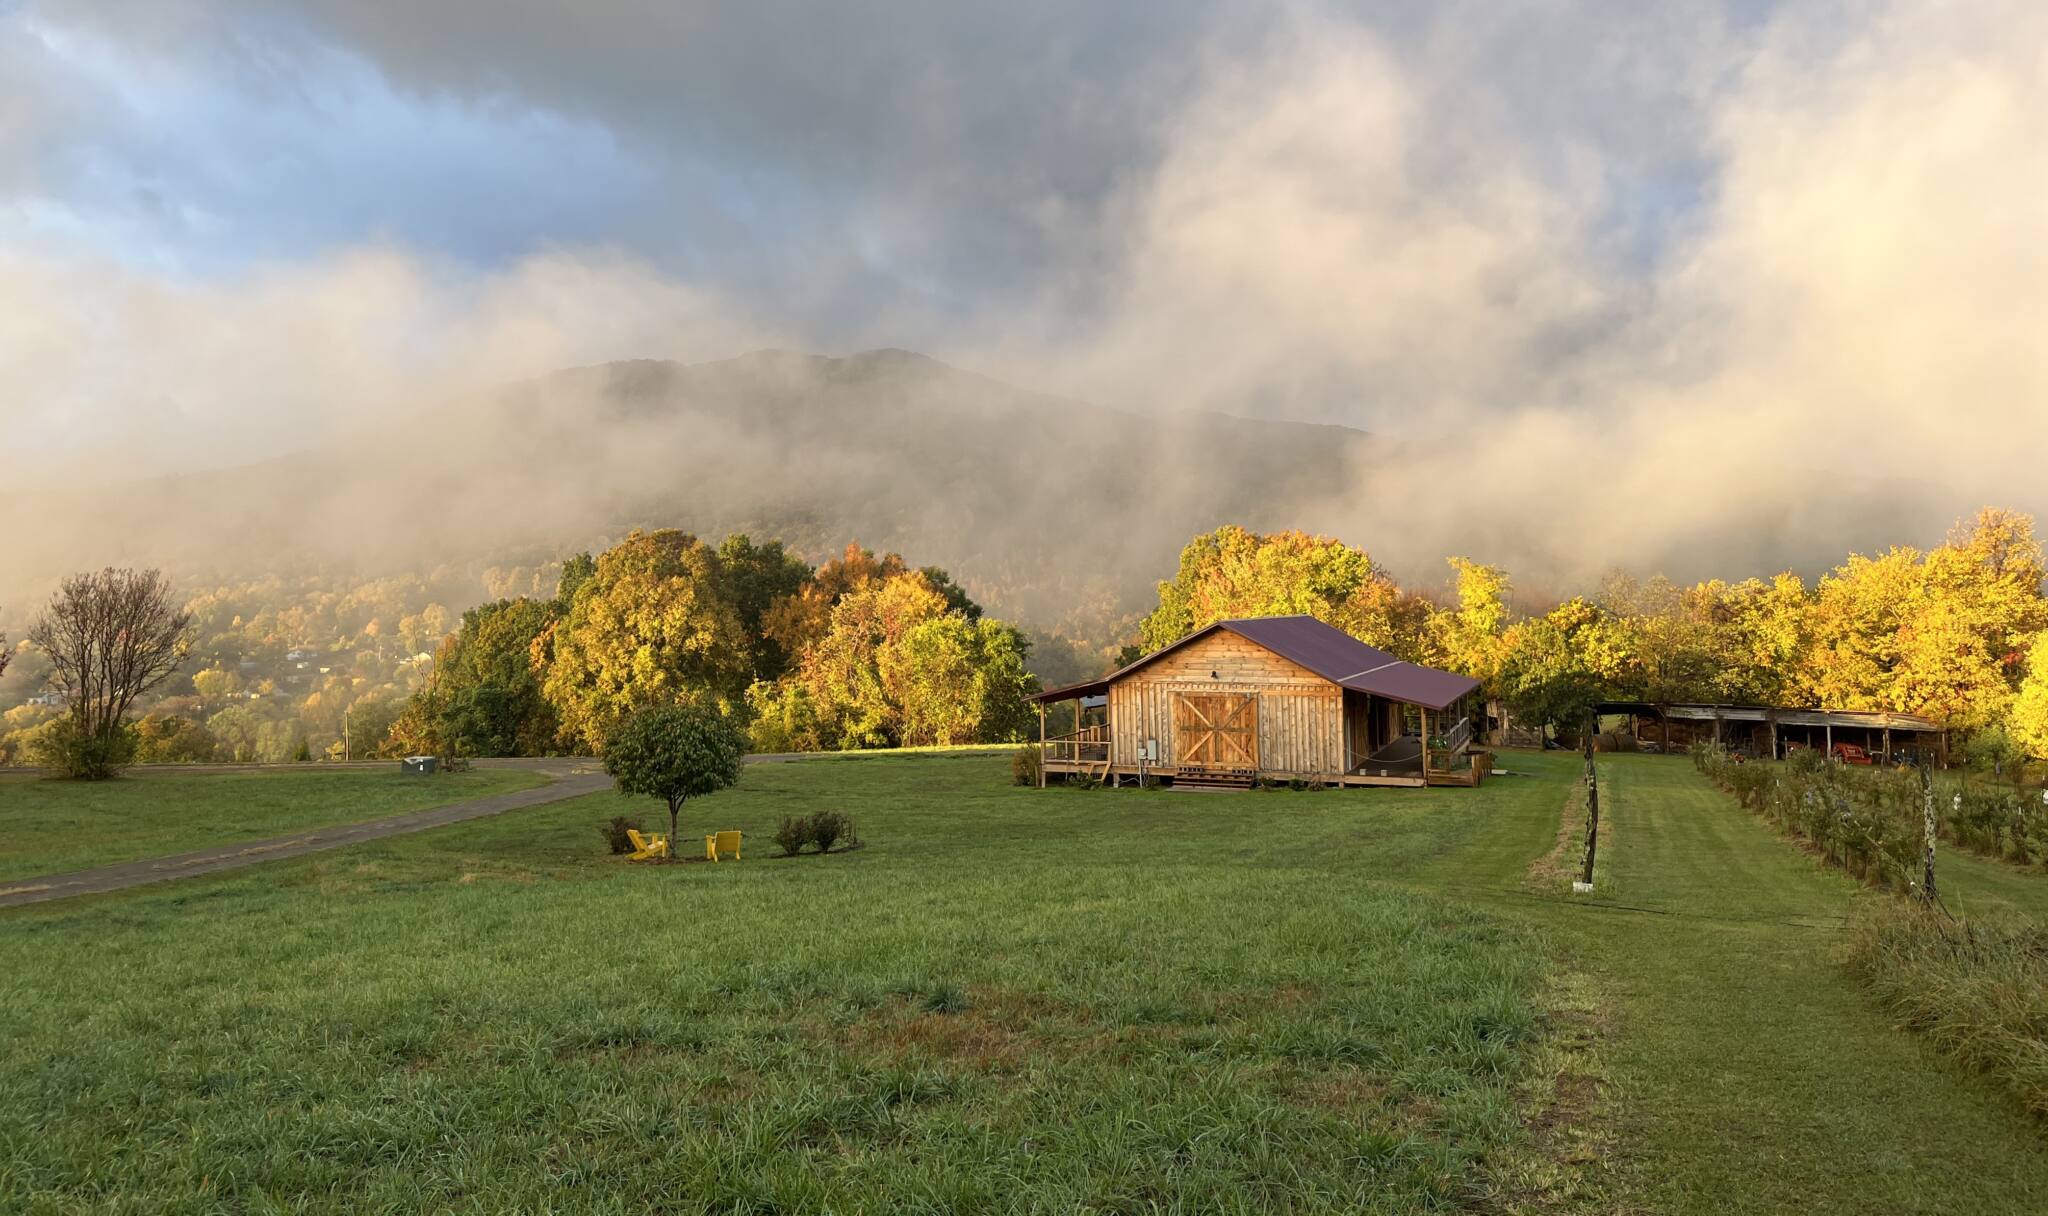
(1927, 829)
(1592, 800)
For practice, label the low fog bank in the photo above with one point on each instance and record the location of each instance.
(1055, 512)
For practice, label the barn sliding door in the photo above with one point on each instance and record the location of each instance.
(1215, 730)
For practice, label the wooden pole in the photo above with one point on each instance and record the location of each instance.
(1041, 745)
(1927, 833)
(1592, 802)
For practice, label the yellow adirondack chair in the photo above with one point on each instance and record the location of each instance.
(647, 846)
(722, 842)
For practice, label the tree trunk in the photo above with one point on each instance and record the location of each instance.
(674, 805)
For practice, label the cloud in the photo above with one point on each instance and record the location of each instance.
(115, 371)
(1696, 286)
(1836, 346)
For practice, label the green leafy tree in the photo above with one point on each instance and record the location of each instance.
(237, 733)
(675, 753)
(576, 571)
(958, 681)
(759, 577)
(171, 739)
(484, 696)
(654, 624)
(781, 718)
(1558, 665)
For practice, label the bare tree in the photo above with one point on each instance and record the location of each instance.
(110, 637)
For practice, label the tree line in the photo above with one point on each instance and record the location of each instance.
(1957, 633)
(861, 651)
(868, 651)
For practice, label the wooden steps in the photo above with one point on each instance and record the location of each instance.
(1211, 779)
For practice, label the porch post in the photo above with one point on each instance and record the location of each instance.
(1425, 743)
(1041, 745)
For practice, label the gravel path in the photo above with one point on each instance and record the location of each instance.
(567, 779)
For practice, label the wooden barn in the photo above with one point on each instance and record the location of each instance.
(1277, 698)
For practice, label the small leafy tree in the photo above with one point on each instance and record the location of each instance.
(675, 753)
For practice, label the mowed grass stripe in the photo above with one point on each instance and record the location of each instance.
(1754, 1075)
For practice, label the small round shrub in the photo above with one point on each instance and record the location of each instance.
(793, 835)
(615, 833)
(826, 829)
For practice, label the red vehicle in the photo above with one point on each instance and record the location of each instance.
(1849, 753)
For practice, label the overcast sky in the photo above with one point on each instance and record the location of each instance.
(1634, 237)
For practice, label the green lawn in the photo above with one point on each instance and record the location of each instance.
(1008, 1000)
(1750, 1073)
(48, 827)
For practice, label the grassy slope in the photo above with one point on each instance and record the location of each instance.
(48, 827)
(1007, 1000)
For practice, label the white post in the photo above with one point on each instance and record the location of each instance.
(1041, 745)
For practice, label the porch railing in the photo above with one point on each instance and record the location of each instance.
(1089, 745)
(1440, 753)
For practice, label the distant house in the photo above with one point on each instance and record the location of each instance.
(1285, 697)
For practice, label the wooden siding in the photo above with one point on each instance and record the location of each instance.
(1300, 714)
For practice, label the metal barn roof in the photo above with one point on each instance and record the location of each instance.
(1323, 649)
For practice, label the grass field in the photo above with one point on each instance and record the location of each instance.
(47, 827)
(1009, 1000)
